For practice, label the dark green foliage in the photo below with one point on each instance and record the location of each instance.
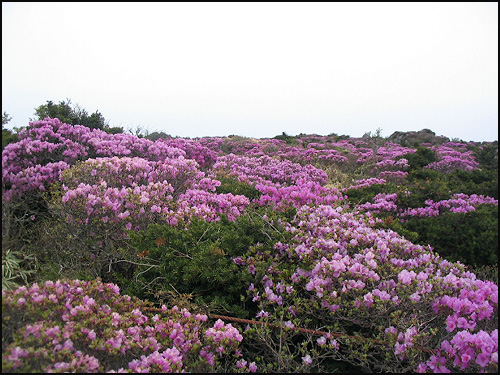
(396, 225)
(421, 158)
(72, 115)
(360, 196)
(478, 181)
(5, 118)
(486, 155)
(8, 137)
(289, 139)
(158, 135)
(471, 237)
(232, 185)
(62, 111)
(113, 130)
(430, 184)
(198, 260)
(424, 184)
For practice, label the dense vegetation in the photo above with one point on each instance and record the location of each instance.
(130, 253)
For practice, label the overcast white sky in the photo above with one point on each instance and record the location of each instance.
(258, 69)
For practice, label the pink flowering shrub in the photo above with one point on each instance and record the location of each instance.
(452, 156)
(111, 195)
(374, 300)
(204, 156)
(382, 202)
(457, 203)
(263, 169)
(33, 180)
(49, 146)
(401, 300)
(302, 193)
(360, 184)
(465, 350)
(87, 326)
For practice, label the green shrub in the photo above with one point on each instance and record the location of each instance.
(198, 260)
(366, 194)
(471, 237)
(8, 137)
(420, 158)
(486, 155)
(478, 181)
(423, 185)
(232, 185)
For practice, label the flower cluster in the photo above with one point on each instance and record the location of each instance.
(266, 169)
(381, 203)
(81, 326)
(204, 156)
(375, 277)
(463, 351)
(134, 192)
(303, 193)
(457, 203)
(452, 156)
(224, 337)
(366, 182)
(48, 146)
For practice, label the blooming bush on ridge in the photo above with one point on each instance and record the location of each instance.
(299, 224)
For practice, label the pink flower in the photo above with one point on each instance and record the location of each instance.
(368, 299)
(391, 330)
(262, 313)
(465, 358)
(307, 359)
(483, 359)
(494, 357)
(451, 321)
(321, 341)
(406, 277)
(252, 367)
(421, 368)
(334, 343)
(18, 352)
(201, 317)
(415, 297)
(241, 363)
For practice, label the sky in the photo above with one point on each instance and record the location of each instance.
(258, 69)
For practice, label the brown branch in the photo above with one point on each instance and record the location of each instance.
(304, 330)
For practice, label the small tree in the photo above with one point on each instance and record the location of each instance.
(74, 115)
(5, 118)
(7, 135)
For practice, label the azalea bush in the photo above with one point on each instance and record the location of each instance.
(391, 301)
(202, 259)
(87, 326)
(344, 254)
(100, 199)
